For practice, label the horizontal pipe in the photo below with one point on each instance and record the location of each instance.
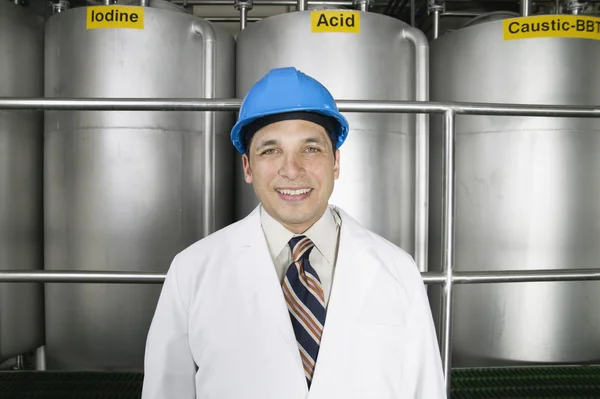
(433, 278)
(144, 104)
(48, 276)
(526, 276)
(482, 277)
(232, 19)
(460, 14)
(262, 3)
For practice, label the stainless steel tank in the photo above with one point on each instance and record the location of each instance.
(527, 195)
(377, 179)
(124, 191)
(21, 173)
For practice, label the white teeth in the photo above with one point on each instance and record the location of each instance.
(295, 192)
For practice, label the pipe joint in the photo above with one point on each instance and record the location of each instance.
(363, 5)
(60, 6)
(436, 5)
(247, 4)
(575, 7)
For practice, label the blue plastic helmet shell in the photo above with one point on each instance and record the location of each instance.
(286, 90)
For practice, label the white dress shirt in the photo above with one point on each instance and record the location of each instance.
(324, 234)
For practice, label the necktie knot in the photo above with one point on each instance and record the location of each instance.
(301, 247)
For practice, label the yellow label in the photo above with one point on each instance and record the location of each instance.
(570, 26)
(114, 17)
(335, 21)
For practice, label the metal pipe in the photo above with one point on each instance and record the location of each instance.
(436, 24)
(460, 14)
(233, 19)
(20, 363)
(557, 7)
(264, 2)
(412, 13)
(402, 107)
(243, 17)
(144, 3)
(363, 6)
(302, 5)
(40, 358)
(433, 278)
(419, 40)
(447, 243)
(106, 2)
(526, 276)
(345, 3)
(525, 7)
(208, 34)
(46, 276)
(482, 277)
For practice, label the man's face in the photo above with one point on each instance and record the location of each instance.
(292, 167)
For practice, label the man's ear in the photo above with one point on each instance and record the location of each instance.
(247, 169)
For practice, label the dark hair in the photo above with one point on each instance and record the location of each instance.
(330, 124)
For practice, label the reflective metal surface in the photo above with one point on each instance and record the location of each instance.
(21, 168)
(447, 227)
(402, 107)
(376, 184)
(485, 277)
(527, 195)
(124, 191)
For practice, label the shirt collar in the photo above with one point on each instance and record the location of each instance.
(324, 234)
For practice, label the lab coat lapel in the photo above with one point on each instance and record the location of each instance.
(353, 278)
(258, 271)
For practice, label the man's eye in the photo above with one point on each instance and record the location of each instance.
(312, 149)
(268, 152)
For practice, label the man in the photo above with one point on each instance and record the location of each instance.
(297, 300)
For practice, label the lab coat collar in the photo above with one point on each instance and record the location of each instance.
(323, 234)
(355, 272)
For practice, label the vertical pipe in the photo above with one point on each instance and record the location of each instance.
(436, 24)
(525, 7)
(207, 32)
(106, 2)
(419, 40)
(302, 5)
(363, 6)
(557, 6)
(412, 13)
(144, 3)
(20, 363)
(40, 358)
(447, 242)
(243, 17)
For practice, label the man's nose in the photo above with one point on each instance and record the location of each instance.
(291, 168)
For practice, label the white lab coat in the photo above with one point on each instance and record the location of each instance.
(222, 328)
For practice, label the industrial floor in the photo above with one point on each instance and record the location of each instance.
(500, 383)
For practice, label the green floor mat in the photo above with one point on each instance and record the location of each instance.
(69, 385)
(527, 382)
(497, 383)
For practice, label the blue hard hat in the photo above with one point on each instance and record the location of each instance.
(285, 90)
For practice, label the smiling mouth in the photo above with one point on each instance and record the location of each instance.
(301, 191)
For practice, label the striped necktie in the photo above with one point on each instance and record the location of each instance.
(306, 303)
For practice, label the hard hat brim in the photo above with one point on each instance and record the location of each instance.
(341, 134)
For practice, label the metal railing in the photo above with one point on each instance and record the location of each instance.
(447, 277)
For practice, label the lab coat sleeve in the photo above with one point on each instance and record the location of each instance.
(169, 368)
(424, 360)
